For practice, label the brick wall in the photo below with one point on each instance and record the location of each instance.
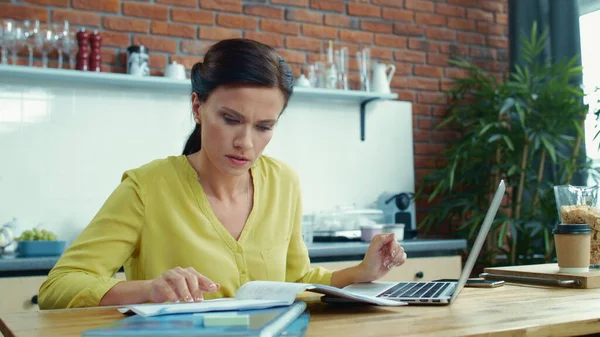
(418, 36)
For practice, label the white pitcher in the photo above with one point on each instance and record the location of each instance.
(382, 77)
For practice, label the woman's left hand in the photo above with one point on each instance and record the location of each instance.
(383, 254)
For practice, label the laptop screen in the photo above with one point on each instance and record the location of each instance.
(483, 232)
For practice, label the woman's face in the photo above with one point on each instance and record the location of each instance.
(237, 124)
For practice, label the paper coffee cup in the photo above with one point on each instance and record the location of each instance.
(573, 244)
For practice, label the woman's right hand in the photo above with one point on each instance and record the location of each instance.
(180, 285)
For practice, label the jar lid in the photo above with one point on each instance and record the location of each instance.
(371, 226)
(572, 229)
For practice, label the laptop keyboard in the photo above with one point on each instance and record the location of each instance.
(415, 290)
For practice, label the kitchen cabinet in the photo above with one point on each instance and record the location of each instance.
(414, 269)
(19, 294)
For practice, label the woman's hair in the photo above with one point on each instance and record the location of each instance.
(238, 61)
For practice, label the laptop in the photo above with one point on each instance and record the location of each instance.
(429, 293)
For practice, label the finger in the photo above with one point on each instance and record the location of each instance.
(205, 284)
(192, 285)
(400, 259)
(179, 284)
(380, 241)
(164, 292)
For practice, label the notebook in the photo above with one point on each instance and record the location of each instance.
(428, 293)
(289, 321)
(254, 295)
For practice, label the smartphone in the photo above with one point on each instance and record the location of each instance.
(476, 283)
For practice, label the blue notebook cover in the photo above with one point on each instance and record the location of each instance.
(288, 321)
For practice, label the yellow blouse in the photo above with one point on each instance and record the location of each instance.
(159, 218)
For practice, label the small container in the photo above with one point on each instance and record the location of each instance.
(367, 232)
(396, 228)
(40, 248)
(138, 61)
(573, 244)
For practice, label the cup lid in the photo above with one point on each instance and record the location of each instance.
(572, 229)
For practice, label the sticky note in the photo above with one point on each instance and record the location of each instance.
(227, 320)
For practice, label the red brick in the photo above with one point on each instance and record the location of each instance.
(400, 82)
(421, 109)
(491, 29)
(483, 52)
(403, 69)
(115, 39)
(461, 24)
(125, 24)
(264, 11)
(20, 12)
(157, 61)
(409, 56)
(425, 84)
(423, 136)
(430, 19)
(497, 41)
(292, 56)
(493, 6)
(155, 43)
(447, 84)
(194, 47)
(319, 32)
(237, 21)
(380, 53)
(187, 61)
(281, 27)
(429, 71)
(390, 41)
(59, 3)
(426, 148)
(425, 161)
(425, 123)
(222, 5)
(390, 3)
(299, 3)
(173, 29)
(79, 18)
(406, 95)
(356, 9)
(341, 21)
(399, 14)
(150, 11)
(109, 55)
(456, 73)
(501, 18)
(182, 3)
(419, 5)
(471, 38)
(218, 33)
(409, 29)
(454, 49)
(478, 14)
(113, 69)
(303, 16)
(273, 40)
(199, 17)
(450, 10)
(375, 26)
(303, 43)
(356, 37)
(328, 5)
(112, 6)
(424, 45)
(463, 3)
(441, 34)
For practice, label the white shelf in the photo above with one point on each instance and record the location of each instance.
(38, 75)
(8, 72)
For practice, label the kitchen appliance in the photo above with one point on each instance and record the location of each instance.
(344, 223)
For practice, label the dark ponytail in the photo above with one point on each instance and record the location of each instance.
(238, 61)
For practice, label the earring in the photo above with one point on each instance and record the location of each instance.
(196, 120)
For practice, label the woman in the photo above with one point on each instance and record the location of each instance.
(199, 225)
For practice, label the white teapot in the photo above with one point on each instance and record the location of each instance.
(382, 77)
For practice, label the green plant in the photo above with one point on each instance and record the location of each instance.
(527, 130)
(37, 235)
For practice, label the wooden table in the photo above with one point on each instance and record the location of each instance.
(510, 310)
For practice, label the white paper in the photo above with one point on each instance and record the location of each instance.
(254, 295)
